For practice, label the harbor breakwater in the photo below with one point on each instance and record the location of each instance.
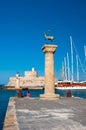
(6, 94)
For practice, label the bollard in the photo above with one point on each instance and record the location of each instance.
(19, 94)
(69, 94)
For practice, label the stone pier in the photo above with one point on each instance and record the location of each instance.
(49, 51)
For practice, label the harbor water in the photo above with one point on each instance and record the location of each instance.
(6, 94)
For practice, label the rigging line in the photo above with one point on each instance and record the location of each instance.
(79, 58)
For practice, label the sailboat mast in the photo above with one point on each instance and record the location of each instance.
(77, 68)
(85, 51)
(71, 58)
(68, 66)
(85, 60)
(65, 68)
(62, 72)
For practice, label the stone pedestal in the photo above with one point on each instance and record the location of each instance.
(49, 72)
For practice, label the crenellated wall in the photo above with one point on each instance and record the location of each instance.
(30, 79)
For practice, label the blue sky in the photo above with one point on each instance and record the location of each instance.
(22, 23)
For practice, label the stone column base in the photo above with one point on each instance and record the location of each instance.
(49, 96)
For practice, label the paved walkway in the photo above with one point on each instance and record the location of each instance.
(36, 114)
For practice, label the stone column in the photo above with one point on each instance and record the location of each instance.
(49, 72)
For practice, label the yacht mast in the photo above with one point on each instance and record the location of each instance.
(85, 51)
(62, 72)
(68, 69)
(71, 58)
(65, 68)
(77, 68)
(85, 59)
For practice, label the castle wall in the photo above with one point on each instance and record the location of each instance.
(30, 79)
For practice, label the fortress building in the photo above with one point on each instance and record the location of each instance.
(30, 79)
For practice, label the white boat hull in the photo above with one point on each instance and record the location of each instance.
(71, 87)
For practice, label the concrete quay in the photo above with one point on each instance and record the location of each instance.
(36, 114)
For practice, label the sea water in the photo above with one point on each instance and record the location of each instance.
(6, 94)
(4, 99)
